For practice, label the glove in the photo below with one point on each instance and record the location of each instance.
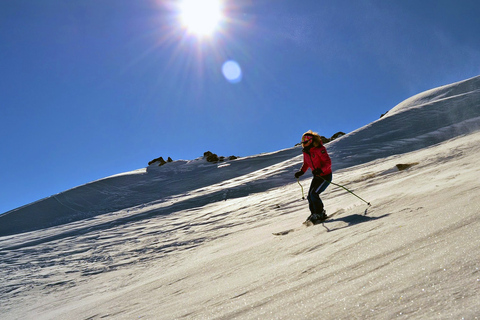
(317, 172)
(298, 174)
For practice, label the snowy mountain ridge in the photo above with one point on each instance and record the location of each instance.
(450, 91)
(141, 243)
(418, 122)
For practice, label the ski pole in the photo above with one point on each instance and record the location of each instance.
(303, 195)
(350, 192)
(338, 185)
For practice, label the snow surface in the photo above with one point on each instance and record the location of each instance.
(193, 240)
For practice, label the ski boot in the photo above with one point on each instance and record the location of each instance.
(317, 217)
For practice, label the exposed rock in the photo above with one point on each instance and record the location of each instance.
(209, 156)
(160, 161)
(212, 157)
(337, 135)
(404, 166)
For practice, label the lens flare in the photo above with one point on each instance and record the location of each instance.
(231, 71)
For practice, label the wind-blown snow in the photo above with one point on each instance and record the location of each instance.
(193, 240)
(418, 122)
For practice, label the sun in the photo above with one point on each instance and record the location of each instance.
(201, 17)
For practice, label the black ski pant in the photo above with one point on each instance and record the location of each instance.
(318, 185)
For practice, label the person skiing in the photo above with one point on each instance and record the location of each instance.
(316, 158)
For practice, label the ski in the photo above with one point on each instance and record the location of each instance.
(307, 223)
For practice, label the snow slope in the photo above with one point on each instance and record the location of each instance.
(192, 240)
(418, 122)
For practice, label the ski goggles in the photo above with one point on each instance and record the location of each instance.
(306, 138)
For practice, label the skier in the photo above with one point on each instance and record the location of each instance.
(316, 158)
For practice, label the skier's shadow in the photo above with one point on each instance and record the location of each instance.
(352, 220)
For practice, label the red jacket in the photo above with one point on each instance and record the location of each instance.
(317, 158)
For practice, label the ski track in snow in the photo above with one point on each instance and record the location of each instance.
(191, 240)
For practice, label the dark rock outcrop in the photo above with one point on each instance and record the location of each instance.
(212, 157)
(337, 135)
(160, 161)
(405, 166)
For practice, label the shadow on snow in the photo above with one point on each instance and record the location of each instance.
(352, 220)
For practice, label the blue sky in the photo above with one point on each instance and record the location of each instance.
(93, 88)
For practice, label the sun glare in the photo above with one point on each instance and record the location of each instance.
(200, 17)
